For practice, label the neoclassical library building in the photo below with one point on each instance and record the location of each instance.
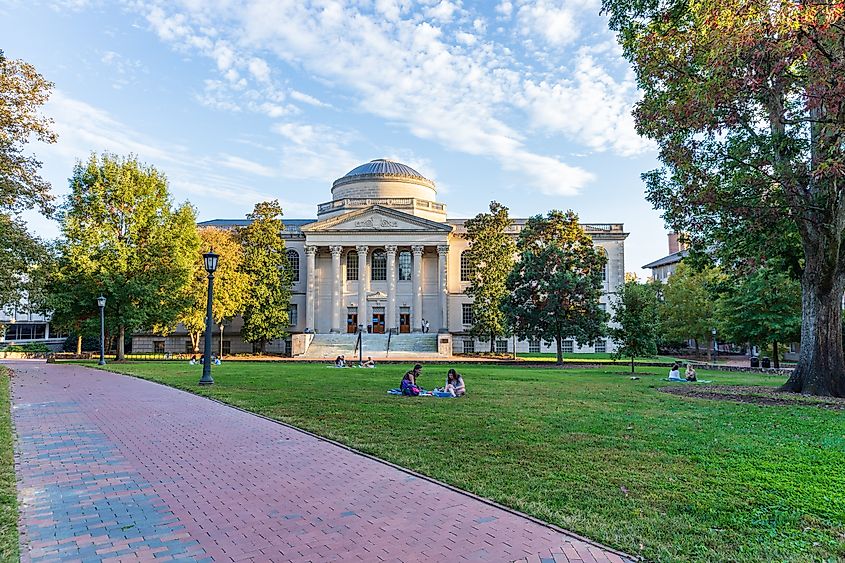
(382, 257)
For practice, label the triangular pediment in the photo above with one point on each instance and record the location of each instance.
(377, 218)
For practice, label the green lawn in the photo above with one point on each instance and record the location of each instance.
(665, 477)
(8, 491)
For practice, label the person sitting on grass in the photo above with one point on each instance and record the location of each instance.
(675, 373)
(690, 373)
(340, 362)
(193, 360)
(455, 385)
(369, 363)
(409, 381)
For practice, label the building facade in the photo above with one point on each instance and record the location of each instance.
(383, 257)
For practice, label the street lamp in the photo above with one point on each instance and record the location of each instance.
(210, 260)
(715, 346)
(101, 302)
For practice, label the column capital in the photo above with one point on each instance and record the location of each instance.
(310, 249)
(417, 249)
(442, 249)
(362, 248)
(336, 249)
(390, 248)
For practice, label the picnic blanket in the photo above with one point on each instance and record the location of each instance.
(685, 381)
(423, 393)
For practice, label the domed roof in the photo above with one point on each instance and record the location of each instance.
(381, 167)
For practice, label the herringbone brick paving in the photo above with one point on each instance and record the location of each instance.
(112, 468)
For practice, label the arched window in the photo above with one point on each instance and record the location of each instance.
(467, 271)
(352, 266)
(404, 266)
(293, 262)
(379, 266)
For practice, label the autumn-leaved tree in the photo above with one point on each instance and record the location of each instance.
(490, 257)
(556, 283)
(231, 284)
(635, 315)
(22, 93)
(265, 263)
(746, 101)
(122, 238)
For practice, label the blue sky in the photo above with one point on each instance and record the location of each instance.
(525, 102)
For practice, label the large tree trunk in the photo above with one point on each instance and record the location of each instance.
(821, 363)
(121, 340)
(632, 364)
(775, 354)
(79, 345)
(559, 350)
(697, 352)
(492, 342)
(195, 342)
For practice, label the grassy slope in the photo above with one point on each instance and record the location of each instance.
(8, 491)
(590, 450)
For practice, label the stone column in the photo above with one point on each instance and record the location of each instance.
(363, 285)
(416, 282)
(311, 297)
(390, 313)
(443, 286)
(336, 287)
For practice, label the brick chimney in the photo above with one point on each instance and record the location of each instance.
(673, 243)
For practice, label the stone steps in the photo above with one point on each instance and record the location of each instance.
(330, 346)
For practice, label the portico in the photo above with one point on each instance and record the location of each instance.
(386, 271)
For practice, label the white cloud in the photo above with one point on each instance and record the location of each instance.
(307, 99)
(244, 165)
(260, 69)
(406, 71)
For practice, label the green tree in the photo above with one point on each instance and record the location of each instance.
(556, 283)
(490, 258)
(746, 102)
(635, 313)
(763, 307)
(22, 93)
(266, 264)
(231, 284)
(124, 240)
(688, 310)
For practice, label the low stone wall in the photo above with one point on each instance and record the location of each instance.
(23, 355)
(745, 369)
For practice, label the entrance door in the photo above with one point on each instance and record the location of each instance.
(351, 322)
(378, 320)
(404, 322)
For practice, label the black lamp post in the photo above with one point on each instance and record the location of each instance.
(210, 259)
(101, 302)
(715, 347)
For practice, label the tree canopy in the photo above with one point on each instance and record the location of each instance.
(490, 257)
(746, 102)
(124, 239)
(22, 93)
(556, 283)
(635, 314)
(231, 283)
(266, 265)
(688, 309)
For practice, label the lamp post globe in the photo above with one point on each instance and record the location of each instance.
(210, 260)
(101, 303)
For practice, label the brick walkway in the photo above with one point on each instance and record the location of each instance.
(112, 468)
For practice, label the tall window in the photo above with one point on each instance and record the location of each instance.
(352, 266)
(379, 266)
(404, 266)
(604, 268)
(534, 346)
(293, 315)
(501, 346)
(466, 314)
(601, 346)
(158, 346)
(293, 261)
(469, 346)
(467, 271)
(568, 346)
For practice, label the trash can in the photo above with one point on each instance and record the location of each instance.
(755, 362)
(766, 362)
